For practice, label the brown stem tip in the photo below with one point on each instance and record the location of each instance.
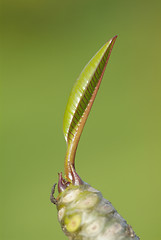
(62, 183)
(76, 180)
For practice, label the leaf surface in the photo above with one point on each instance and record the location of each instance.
(81, 99)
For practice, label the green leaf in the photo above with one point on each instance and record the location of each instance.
(81, 99)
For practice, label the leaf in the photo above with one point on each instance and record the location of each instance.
(81, 100)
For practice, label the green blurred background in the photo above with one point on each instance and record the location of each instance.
(44, 46)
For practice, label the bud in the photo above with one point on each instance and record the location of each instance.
(84, 214)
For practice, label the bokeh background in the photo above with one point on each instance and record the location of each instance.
(44, 46)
